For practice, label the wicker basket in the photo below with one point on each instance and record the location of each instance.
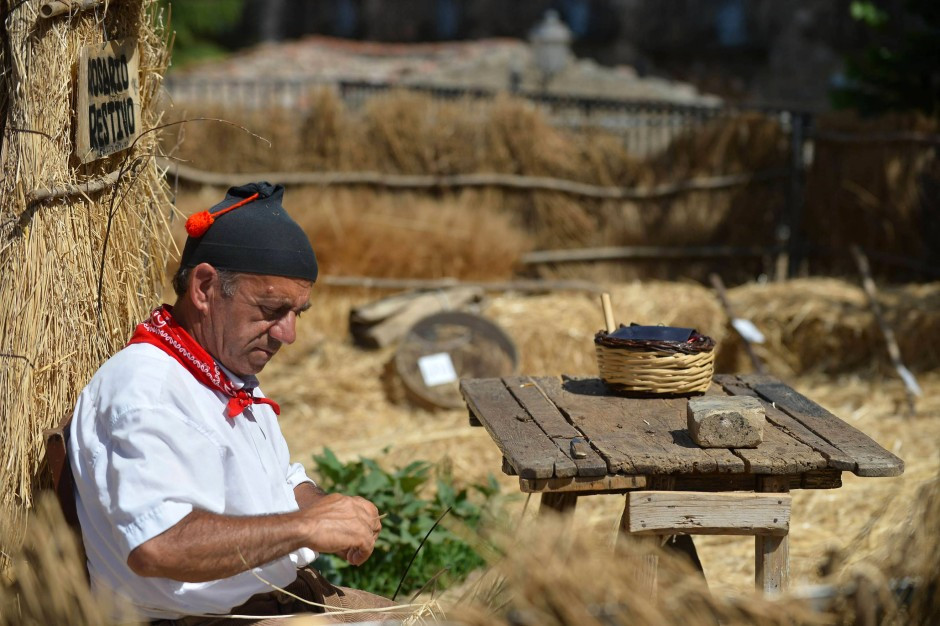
(646, 368)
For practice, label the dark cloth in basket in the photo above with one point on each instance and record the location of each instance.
(661, 338)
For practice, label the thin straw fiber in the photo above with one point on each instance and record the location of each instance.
(53, 333)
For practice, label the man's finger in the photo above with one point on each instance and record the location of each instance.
(357, 556)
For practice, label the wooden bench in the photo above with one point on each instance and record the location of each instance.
(58, 476)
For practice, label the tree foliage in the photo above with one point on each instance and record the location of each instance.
(198, 25)
(900, 71)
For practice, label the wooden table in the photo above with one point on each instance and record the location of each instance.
(566, 438)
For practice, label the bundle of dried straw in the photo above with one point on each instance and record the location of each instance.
(82, 247)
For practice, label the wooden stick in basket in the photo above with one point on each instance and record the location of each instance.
(608, 312)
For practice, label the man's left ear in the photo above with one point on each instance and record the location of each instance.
(204, 278)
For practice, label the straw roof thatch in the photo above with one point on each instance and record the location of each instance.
(59, 321)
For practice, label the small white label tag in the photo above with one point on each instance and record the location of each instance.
(748, 330)
(437, 369)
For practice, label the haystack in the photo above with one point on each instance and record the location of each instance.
(83, 247)
(408, 134)
(824, 325)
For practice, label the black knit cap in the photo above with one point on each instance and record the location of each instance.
(258, 237)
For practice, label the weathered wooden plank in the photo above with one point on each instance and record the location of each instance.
(694, 513)
(772, 553)
(545, 413)
(813, 479)
(555, 425)
(522, 442)
(382, 322)
(836, 458)
(871, 458)
(780, 454)
(635, 435)
(819, 479)
(581, 484)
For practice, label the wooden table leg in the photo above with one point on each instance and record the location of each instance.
(558, 502)
(772, 553)
(648, 573)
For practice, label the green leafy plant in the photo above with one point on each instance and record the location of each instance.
(198, 25)
(411, 514)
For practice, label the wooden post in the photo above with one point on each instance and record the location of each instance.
(726, 305)
(608, 313)
(910, 383)
(648, 565)
(788, 228)
(559, 502)
(772, 553)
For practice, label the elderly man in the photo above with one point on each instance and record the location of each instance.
(188, 503)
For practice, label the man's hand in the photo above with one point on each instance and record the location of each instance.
(343, 525)
(206, 546)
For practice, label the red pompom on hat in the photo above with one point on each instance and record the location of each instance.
(199, 223)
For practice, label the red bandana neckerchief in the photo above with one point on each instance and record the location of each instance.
(162, 331)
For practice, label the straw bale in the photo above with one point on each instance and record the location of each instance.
(323, 132)
(52, 337)
(408, 133)
(363, 232)
(914, 314)
(826, 325)
(255, 140)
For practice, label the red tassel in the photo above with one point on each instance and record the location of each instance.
(198, 224)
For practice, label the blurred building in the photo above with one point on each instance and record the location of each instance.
(750, 50)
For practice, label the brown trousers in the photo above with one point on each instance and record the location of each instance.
(309, 585)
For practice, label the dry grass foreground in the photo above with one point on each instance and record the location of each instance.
(549, 573)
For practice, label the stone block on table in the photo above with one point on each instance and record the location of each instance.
(726, 421)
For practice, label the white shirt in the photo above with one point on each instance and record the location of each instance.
(149, 443)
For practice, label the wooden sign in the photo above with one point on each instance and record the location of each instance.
(108, 103)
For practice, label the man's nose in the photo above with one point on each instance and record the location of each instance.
(285, 329)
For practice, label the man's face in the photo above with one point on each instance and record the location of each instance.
(248, 328)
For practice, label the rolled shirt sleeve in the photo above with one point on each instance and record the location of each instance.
(157, 469)
(297, 475)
